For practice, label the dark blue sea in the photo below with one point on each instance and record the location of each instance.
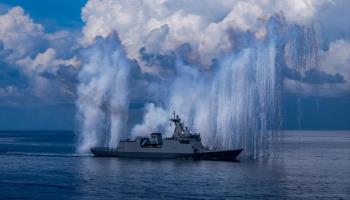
(303, 165)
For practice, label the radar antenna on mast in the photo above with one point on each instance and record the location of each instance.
(180, 131)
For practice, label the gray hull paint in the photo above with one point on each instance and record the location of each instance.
(229, 155)
(182, 145)
(107, 153)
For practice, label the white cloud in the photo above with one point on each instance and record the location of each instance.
(337, 59)
(188, 21)
(36, 54)
(46, 61)
(301, 11)
(18, 32)
(28, 39)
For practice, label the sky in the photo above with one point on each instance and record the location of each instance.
(54, 15)
(58, 58)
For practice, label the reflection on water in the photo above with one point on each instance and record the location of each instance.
(305, 165)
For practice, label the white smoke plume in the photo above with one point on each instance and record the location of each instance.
(238, 104)
(220, 64)
(103, 94)
(154, 120)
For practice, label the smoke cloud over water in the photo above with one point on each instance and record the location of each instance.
(236, 104)
(226, 84)
(103, 94)
(223, 65)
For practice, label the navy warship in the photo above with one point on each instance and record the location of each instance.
(182, 145)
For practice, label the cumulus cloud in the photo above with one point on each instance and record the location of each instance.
(331, 79)
(37, 58)
(337, 58)
(46, 61)
(173, 24)
(19, 33)
(313, 76)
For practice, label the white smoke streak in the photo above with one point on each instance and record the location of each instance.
(239, 104)
(236, 105)
(153, 121)
(103, 94)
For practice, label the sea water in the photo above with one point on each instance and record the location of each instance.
(301, 165)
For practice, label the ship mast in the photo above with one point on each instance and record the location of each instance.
(180, 129)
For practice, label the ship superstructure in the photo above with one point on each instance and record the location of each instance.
(182, 145)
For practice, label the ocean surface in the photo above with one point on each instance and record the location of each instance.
(303, 165)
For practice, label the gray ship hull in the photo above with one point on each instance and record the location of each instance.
(229, 155)
(182, 145)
